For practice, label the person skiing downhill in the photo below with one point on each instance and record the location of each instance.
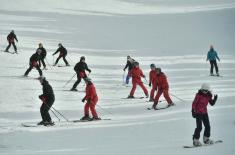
(34, 63)
(63, 53)
(91, 99)
(136, 74)
(129, 65)
(162, 87)
(11, 41)
(152, 81)
(48, 99)
(43, 54)
(80, 68)
(212, 56)
(199, 112)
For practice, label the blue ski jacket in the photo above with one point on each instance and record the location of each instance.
(212, 55)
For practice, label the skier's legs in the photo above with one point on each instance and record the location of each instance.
(166, 96)
(143, 88)
(216, 67)
(92, 108)
(14, 45)
(206, 122)
(39, 70)
(86, 109)
(9, 45)
(57, 60)
(43, 62)
(198, 129)
(45, 112)
(133, 88)
(28, 70)
(65, 61)
(212, 67)
(159, 93)
(77, 82)
(128, 77)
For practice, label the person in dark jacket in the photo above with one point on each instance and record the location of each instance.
(129, 64)
(43, 54)
(212, 56)
(34, 63)
(48, 99)
(199, 111)
(80, 68)
(11, 40)
(63, 53)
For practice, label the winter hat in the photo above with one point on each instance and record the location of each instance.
(42, 79)
(82, 58)
(12, 31)
(159, 69)
(206, 86)
(152, 66)
(136, 63)
(40, 44)
(59, 44)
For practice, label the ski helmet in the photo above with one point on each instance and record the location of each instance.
(82, 58)
(59, 44)
(136, 63)
(206, 86)
(152, 66)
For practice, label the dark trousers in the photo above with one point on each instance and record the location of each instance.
(31, 67)
(214, 64)
(43, 62)
(44, 110)
(13, 43)
(78, 81)
(202, 118)
(65, 61)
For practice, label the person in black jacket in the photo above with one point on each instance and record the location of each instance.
(129, 65)
(63, 53)
(43, 54)
(33, 62)
(80, 68)
(48, 99)
(11, 40)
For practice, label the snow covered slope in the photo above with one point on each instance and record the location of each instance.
(173, 35)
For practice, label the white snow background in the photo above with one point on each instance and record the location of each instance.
(173, 34)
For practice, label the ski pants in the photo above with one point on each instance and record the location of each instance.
(44, 110)
(214, 64)
(43, 62)
(79, 78)
(128, 76)
(165, 94)
(140, 83)
(11, 43)
(154, 87)
(202, 118)
(61, 56)
(91, 106)
(31, 67)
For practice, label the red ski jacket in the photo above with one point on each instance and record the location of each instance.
(152, 76)
(136, 74)
(90, 92)
(200, 102)
(161, 81)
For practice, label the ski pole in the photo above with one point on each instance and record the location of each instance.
(177, 97)
(104, 109)
(48, 63)
(55, 115)
(69, 80)
(60, 114)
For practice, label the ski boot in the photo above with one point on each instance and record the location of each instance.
(130, 96)
(217, 74)
(147, 95)
(95, 119)
(67, 64)
(207, 140)
(151, 99)
(86, 118)
(40, 123)
(154, 106)
(196, 142)
(73, 89)
(170, 104)
(48, 123)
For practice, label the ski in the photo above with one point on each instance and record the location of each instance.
(34, 125)
(157, 108)
(216, 75)
(192, 146)
(9, 52)
(133, 98)
(103, 119)
(62, 66)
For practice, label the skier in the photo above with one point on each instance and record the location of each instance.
(212, 56)
(80, 68)
(136, 74)
(63, 53)
(162, 87)
(199, 111)
(11, 40)
(152, 81)
(91, 99)
(43, 54)
(129, 65)
(48, 99)
(34, 62)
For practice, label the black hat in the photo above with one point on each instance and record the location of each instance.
(82, 58)
(42, 79)
(152, 66)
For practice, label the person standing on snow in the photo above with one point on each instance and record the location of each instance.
(11, 40)
(152, 81)
(42, 55)
(63, 53)
(91, 99)
(34, 63)
(212, 56)
(162, 87)
(129, 65)
(136, 74)
(80, 68)
(48, 99)
(199, 111)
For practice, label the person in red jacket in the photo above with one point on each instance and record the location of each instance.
(91, 99)
(152, 81)
(199, 111)
(136, 74)
(162, 87)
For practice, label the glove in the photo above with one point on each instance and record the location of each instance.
(144, 76)
(150, 84)
(154, 105)
(215, 97)
(89, 101)
(193, 114)
(40, 97)
(53, 54)
(89, 71)
(83, 100)
(124, 70)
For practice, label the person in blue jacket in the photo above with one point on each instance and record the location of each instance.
(212, 56)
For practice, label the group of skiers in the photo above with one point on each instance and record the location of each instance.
(157, 81)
